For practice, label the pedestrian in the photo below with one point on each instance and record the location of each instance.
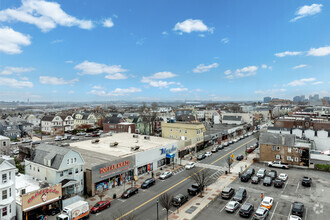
(262, 196)
(152, 174)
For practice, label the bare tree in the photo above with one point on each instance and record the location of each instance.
(229, 162)
(165, 200)
(101, 194)
(202, 178)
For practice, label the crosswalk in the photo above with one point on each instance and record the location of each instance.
(209, 166)
(178, 170)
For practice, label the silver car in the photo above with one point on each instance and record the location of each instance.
(261, 173)
(165, 175)
(261, 213)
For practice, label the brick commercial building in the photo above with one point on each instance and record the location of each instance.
(117, 125)
(285, 148)
(303, 123)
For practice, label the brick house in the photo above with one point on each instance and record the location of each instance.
(305, 123)
(285, 148)
(117, 125)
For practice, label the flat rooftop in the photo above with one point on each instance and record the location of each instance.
(105, 151)
(217, 128)
(25, 182)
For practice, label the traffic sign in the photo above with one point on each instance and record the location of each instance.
(232, 156)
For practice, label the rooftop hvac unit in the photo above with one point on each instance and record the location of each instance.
(114, 144)
(135, 148)
(135, 135)
(147, 137)
(110, 133)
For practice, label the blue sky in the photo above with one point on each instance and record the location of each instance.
(78, 50)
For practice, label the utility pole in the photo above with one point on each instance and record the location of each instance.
(157, 210)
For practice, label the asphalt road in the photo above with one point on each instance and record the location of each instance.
(144, 204)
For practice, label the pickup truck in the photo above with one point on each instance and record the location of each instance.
(194, 189)
(278, 164)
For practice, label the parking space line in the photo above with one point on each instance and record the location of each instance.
(286, 183)
(290, 211)
(274, 211)
(297, 187)
(306, 214)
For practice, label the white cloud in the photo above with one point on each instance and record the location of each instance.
(69, 61)
(264, 66)
(116, 76)
(52, 80)
(191, 25)
(288, 53)
(201, 68)
(98, 87)
(71, 92)
(154, 80)
(307, 10)
(301, 82)
(240, 73)
(162, 75)
(269, 91)
(178, 89)
(116, 92)
(164, 33)
(56, 41)
(322, 51)
(108, 23)
(45, 15)
(317, 83)
(8, 70)
(225, 40)
(11, 41)
(4, 81)
(24, 78)
(299, 66)
(227, 72)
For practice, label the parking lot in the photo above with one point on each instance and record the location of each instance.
(315, 198)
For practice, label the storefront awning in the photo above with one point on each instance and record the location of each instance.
(67, 183)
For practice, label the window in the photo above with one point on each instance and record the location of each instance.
(81, 168)
(300, 151)
(34, 169)
(70, 171)
(4, 143)
(171, 129)
(45, 178)
(278, 157)
(288, 158)
(9, 192)
(4, 178)
(278, 148)
(38, 170)
(9, 208)
(77, 171)
(75, 160)
(289, 149)
(71, 160)
(67, 161)
(274, 148)
(4, 211)
(30, 167)
(296, 149)
(4, 194)
(61, 173)
(296, 159)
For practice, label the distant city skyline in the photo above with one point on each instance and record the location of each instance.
(86, 51)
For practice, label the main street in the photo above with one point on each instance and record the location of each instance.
(144, 204)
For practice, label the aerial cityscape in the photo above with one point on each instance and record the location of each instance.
(154, 110)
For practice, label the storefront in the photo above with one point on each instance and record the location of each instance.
(109, 175)
(40, 203)
(155, 158)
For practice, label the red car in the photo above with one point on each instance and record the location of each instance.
(250, 149)
(95, 135)
(99, 206)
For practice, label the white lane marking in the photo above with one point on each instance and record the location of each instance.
(274, 211)
(286, 183)
(242, 205)
(121, 200)
(297, 187)
(306, 214)
(290, 211)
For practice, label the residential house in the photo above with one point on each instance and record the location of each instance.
(4, 145)
(285, 148)
(9, 129)
(7, 189)
(52, 124)
(54, 165)
(111, 124)
(33, 119)
(91, 119)
(68, 122)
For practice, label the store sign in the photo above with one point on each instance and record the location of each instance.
(114, 166)
(41, 197)
(167, 150)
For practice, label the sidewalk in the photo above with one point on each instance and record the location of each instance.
(118, 190)
(189, 210)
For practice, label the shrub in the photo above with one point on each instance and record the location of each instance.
(323, 167)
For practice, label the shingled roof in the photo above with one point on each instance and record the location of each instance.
(277, 139)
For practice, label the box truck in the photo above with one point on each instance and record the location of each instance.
(76, 211)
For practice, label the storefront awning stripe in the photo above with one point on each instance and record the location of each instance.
(42, 204)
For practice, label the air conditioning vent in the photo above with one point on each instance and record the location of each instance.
(114, 144)
(135, 148)
(135, 136)
(147, 137)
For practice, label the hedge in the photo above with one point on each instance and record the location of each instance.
(323, 167)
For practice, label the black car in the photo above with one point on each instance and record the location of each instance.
(220, 147)
(255, 179)
(250, 171)
(201, 157)
(278, 183)
(272, 174)
(240, 157)
(179, 200)
(227, 192)
(306, 181)
(194, 189)
(245, 177)
(129, 192)
(267, 181)
(297, 209)
(246, 210)
(148, 182)
(214, 149)
(240, 195)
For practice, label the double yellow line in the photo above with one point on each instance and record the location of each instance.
(138, 207)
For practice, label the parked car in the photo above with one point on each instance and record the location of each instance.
(261, 172)
(207, 154)
(232, 206)
(88, 135)
(99, 206)
(190, 165)
(278, 164)
(245, 177)
(201, 157)
(148, 182)
(226, 144)
(129, 192)
(246, 210)
(240, 157)
(65, 145)
(26, 140)
(272, 174)
(81, 134)
(214, 149)
(267, 181)
(294, 217)
(227, 192)
(261, 213)
(165, 175)
(250, 149)
(255, 179)
(36, 142)
(58, 138)
(297, 209)
(230, 142)
(240, 195)
(220, 147)
(306, 181)
(250, 171)
(96, 135)
(194, 189)
(74, 138)
(278, 183)
(267, 202)
(283, 176)
(179, 200)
